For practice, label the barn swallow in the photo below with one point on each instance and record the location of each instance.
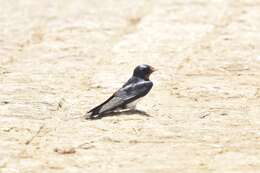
(136, 87)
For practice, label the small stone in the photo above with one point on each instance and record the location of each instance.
(65, 150)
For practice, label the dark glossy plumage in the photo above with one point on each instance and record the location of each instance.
(136, 87)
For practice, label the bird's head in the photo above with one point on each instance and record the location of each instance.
(143, 71)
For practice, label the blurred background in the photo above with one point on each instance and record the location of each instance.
(60, 58)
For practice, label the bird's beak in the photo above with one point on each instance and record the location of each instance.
(153, 69)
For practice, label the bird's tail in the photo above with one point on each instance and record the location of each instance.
(93, 114)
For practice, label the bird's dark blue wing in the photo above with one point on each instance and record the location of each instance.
(135, 90)
(124, 96)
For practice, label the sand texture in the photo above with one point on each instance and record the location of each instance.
(59, 58)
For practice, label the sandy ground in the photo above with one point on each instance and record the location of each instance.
(61, 58)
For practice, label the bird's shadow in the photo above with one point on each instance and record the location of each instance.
(123, 112)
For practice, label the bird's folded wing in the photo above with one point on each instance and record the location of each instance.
(123, 96)
(126, 95)
(134, 91)
(113, 103)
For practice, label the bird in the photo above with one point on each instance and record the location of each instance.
(135, 88)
